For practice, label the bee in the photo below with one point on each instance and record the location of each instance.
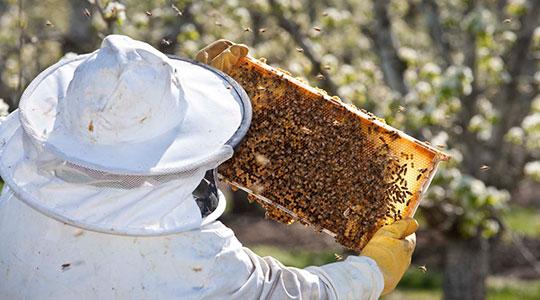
(166, 42)
(176, 10)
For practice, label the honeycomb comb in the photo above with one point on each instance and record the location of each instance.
(312, 158)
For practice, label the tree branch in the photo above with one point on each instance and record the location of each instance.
(518, 61)
(301, 40)
(386, 46)
(187, 14)
(516, 57)
(108, 22)
(436, 32)
(471, 150)
(514, 104)
(257, 22)
(525, 252)
(79, 38)
(500, 6)
(20, 75)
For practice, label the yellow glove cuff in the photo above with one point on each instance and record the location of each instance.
(391, 248)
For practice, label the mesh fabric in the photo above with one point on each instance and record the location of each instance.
(102, 201)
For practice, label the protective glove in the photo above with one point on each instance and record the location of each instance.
(222, 54)
(391, 247)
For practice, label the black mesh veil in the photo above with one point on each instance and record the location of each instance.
(206, 194)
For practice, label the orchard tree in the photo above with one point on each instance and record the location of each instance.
(462, 74)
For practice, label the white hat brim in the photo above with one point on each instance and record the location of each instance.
(214, 113)
(144, 209)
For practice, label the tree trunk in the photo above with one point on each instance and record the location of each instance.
(466, 269)
(393, 67)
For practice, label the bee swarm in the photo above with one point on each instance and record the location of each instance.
(319, 162)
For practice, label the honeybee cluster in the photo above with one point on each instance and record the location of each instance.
(324, 165)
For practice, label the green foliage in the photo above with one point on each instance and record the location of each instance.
(466, 202)
(523, 221)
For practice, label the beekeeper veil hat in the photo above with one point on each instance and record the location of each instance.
(120, 140)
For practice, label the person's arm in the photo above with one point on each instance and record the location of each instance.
(357, 277)
(238, 273)
(376, 272)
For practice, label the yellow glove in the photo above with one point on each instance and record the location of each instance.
(392, 247)
(222, 54)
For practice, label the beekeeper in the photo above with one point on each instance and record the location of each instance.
(110, 193)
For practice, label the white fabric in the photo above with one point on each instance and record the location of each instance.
(135, 205)
(86, 123)
(45, 259)
(126, 91)
(212, 108)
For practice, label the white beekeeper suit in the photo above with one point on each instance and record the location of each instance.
(100, 165)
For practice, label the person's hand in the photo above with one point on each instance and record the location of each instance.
(222, 54)
(391, 248)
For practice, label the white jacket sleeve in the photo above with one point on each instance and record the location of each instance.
(358, 277)
(355, 278)
(238, 273)
(241, 274)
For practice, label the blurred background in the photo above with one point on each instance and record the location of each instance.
(461, 74)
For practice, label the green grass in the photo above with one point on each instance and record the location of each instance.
(499, 288)
(415, 279)
(415, 294)
(296, 257)
(415, 285)
(524, 221)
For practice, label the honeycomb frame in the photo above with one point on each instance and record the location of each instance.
(311, 158)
